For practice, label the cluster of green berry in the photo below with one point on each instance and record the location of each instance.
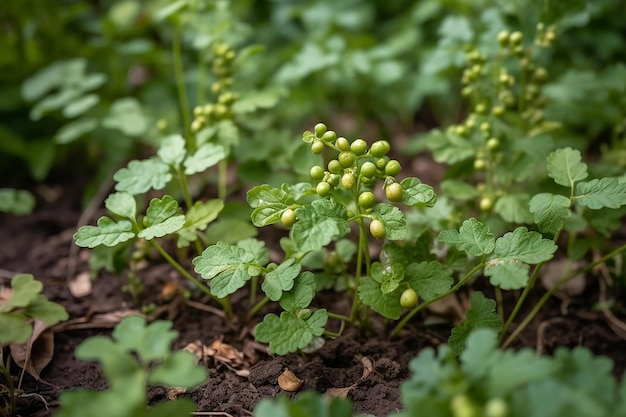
(222, 68)
(356, 169)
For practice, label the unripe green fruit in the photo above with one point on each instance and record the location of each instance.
(320, 129)
(317, 172)
(496, 407)
(394, 192)
(333, 180)
(347, 181)
(329, 136)
(516, 38)
(408, 298)
(288, 218)
(377, 229)
(346, 159)
(335, 167)
(498, 110)
(379, 148)
(493, 144)
(359, 146)
(393, 168)
(380, 163)
(317, 147)
(322, 189)
(540, 75)
(503, 38)
(368, 169)
(479, 164)
(342, 144)
(486, 203)
(367, 199)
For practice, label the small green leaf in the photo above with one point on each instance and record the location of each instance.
(73, 130)
(18, 202)
(258, 100)
(508, 273)
(309, 404)
(481, 314)
(16, 328)
(121, 204)
(197, 219)
(393, 220)
(389, 276)
(525, 246)
(448, 147)
(166, 227)
(280, 279)
(565, 166)
(172, 150)
(179, 369)
(160, 209)
(107, 233)
(550, 211)
(599, 193)
(371, 294)
(473, 237)
(318, 224)
(428, 279)
(513, 208)
(226, 266)
(290, 332)
(257, 249)
(141, 176)
(302, 293)
(205, 157)
(81, 105)
(151, 342)
(126, 115)
(459, 190)
(25, 289)
(268, 204)
(47, 311)
(417, 194)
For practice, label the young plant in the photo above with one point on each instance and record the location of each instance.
(137, 356)
(20, 307)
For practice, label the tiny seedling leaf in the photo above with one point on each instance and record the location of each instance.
(482, 313)
(550, 211)
(428, 279)
(205, 157)
(197, 219)
(386, 304)
(178, 370)
(473, 237)
(121, 204)
(524, 246)
(47, 311)
(16, 328)
(107, 233)
(599, 193)
(25, 289)
(280, 279)
(151, 342)
(226, 266)
(172, 150)
(565, 166)
(302, 293)
(141, 176)
(393, 220)
(290, 331)
(417, 194)
(318, 224)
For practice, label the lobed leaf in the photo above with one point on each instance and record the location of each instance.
(301, 294)
(172, 150)
(107, 233)
(141, 176)
(268, 204)
(428, 279)
(47, 311)
(25, 289)
(599, 193)
(473, 237)
(291, 331)
(126, 115)
(166, 227)
(417, 194)
(481, 314)
(179, 369)
(280, 279)
(565, 166)
(18, 202)
(386, 304)
(513, 208)
(226, 266)
(318, 224)
(393, 220)
(389, 276)
(198, 218)
(16, 328)
(508, 274)
(121, 204)
(525, 246)
(550, 211)
(205, 157)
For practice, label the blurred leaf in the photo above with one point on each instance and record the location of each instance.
(19, 202)
(126, 115)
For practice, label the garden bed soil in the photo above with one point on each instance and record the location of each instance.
(368, 365)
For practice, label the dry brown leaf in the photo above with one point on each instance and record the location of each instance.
(224, 352)
(289, 382)
(37, 352)
(368, 368)
(338, 392)
(173, 393)
(80, 286)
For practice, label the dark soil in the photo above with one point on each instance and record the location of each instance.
(40, 244)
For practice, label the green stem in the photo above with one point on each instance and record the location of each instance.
(552, 290)
(338, 317)
(254, 282)
(331, 335)
(184, 185)
(222, 179)
(182, 90)
(359, 267)
(258, 307)
(396, 330)
(224, 302)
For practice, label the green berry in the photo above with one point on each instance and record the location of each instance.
(516, 38)
(347, 181)
(288, 218)
(394, 192)
(322, 189)
(329, 136)
(380, 163)
(479, 164)
(333, 180)
(392, 168)
(493, 144)
(359, 146)
(496, 407)
(377, 229)
(503, 38)
(367, 199)
(320, 129)
(317, 147)
(486, 203)
(379, 148)
(342, 144)
(346, 159)
(368, 169)
(335, 167)
(408, 298)
(317, 172)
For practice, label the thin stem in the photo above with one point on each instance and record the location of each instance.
(254, 282)
(184, 185)
(359, 268)
(222, 179)
(181, 87)
(552, 290)
(499, 303)
(222, 301)
(258, 307)
(338, 317)
(425, 304)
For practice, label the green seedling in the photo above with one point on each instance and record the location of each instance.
(138, 356)
(24, 305)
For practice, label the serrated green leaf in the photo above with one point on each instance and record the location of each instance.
(205, 157)
(513, 208)
(18, 202)
(152, 342)
(525, 246)
(179, 369)
(126, 115)
(318, 224)
(550, 211)
(599, 193)
(302, 293)
(389, 276)
(393, 220)
(289, 332)
(16, 328)
(107, 233)
(257, 249)
(481, 314)
(166, 227)
(160, 209)
(417, 194)
(280, 279)
(565, 166)
(428, 279)
(226, 266)
(473, 237)
(197, 218)
(141, 176)
(25, 289)
(172, 150)
(47, 311)
(121, 204)
(508, 274)
(371, 294)
(268, 204)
